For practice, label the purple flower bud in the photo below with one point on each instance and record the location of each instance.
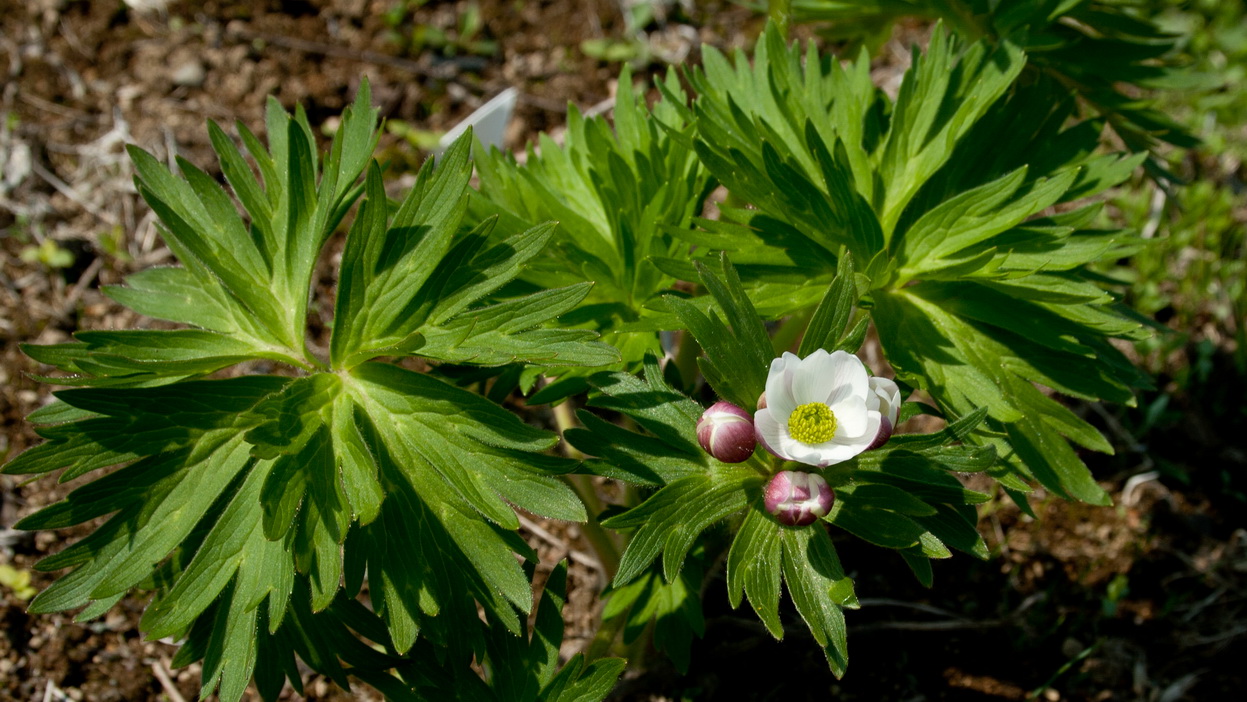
(726, 432)
(797, 499)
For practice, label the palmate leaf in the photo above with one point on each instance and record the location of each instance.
(251, 280)
(422, 248)
(903, 496)
(968, 364)
(811, 145)
(738, 352)
(256, 508)
(617, 196)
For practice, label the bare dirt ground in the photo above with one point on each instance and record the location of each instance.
(1144, 601)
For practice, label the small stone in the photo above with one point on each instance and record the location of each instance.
(189, 74)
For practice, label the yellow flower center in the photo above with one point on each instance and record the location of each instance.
(812, 423)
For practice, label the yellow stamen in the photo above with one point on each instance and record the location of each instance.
(812, 423)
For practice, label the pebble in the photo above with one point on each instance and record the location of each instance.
(189, 74)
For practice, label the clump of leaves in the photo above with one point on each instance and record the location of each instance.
(257, 506)
(617, 196)
(962, 196)
(903, 496)
(1103, 52)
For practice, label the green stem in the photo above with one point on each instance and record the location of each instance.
(686, 353)
(603, 544)
(599, 538)
(605, 637)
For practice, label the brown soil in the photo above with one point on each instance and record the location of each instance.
(84, 78)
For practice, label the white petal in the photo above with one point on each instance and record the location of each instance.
(889, 394)
(790, 448)
(873, 399)
(779, 397)
(815, 379)
(837, 453)
(850, 417)
(849, 377)
(767, 429)
(874, 420)
(804, 453)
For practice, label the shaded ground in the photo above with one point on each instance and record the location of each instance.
(1144, 601)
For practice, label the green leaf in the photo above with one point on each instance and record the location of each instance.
(629, 456)
(286, 420)
(737, 358)
(408, 284)
(436, 406)
(179, 295)
(973, 217)
(674, 516)
(955, 527)
(236, 500)
(873, 523)
(653, 404)
(820, 590)
(827, 326)
(669, 611)
(236, 545)
(386, 261)
(502, 333)
(619, 196)
(754, 567)
(591, 683)
(940, 99)
(983, 367)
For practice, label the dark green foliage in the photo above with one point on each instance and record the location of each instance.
(947, 194)
(903, 496)
(617, 196)
(254, 506)
(1102, 52)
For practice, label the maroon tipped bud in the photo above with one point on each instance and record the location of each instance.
(726, 432)
(795, 498)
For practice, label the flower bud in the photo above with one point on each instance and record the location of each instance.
(795, 498)
(726, 432)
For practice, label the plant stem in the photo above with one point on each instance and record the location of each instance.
(687, 350)
(600, 539)
(605, 636)
(603, 544)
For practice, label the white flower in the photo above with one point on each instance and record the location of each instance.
(821, 409)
